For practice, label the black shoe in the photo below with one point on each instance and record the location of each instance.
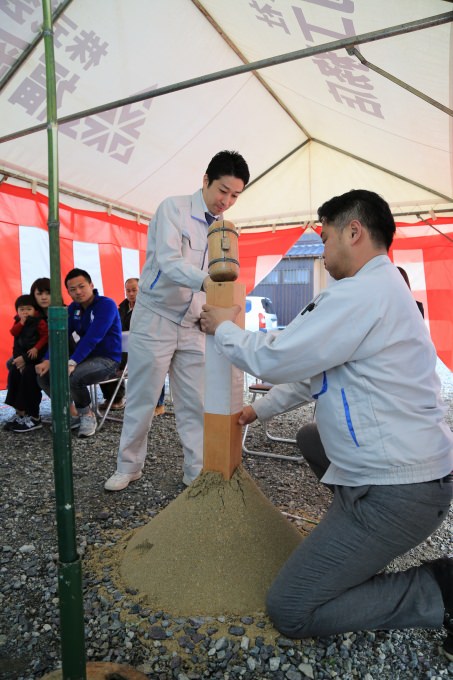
(27, 424)
(442, 570)
(8, 426)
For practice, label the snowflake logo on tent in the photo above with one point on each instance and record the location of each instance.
(114, 133)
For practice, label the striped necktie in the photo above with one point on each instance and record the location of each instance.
(209, 218)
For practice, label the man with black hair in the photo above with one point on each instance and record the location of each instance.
(165, 334)
(383, 445)
(95, 320)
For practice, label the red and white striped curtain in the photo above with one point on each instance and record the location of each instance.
(113, 249)
(110, 248)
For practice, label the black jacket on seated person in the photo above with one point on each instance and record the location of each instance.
(33, 333)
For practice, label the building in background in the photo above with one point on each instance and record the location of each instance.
(298, 277)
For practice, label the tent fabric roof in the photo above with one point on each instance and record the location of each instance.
(320, 96)
(309, 128)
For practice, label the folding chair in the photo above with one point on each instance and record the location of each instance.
(260, 389)
(120, 379)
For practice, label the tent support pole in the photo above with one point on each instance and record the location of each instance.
(69, 566)
(385, 74)
(290, 221)
(29, 49)
(279, 162)
(108, 205)
(433, 227)
(386, 170)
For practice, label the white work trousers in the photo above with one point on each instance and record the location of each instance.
(156, 347)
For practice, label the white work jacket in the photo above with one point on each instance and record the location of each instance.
(363, 352)
(176, 260)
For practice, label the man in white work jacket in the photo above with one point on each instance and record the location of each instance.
(362, 351)
(165, 335)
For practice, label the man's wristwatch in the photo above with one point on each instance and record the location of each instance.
(71, 362)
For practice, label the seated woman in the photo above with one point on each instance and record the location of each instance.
(24, 393)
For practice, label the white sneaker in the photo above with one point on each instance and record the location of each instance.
(74, 422)
(120, 480)
(88, 425)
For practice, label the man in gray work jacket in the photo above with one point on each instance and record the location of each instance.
(165, 333)
(362, 351)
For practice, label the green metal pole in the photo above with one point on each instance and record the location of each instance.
(69, 567)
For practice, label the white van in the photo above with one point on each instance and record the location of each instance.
(260, 314)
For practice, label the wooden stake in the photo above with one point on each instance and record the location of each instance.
(223, 391)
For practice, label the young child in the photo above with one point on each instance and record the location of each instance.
(30, 334)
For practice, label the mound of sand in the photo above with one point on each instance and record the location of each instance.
(214, 550)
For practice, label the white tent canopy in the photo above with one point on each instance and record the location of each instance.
(309, 128)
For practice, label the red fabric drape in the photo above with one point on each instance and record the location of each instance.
(437, 263)
(20, 207)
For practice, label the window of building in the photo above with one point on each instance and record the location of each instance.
(271, 278)
(298, 276)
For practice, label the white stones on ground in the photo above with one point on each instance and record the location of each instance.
(251, 663)
(245, 642)
(27, 548)
(221, 643)
(274, 663)
(307, 669)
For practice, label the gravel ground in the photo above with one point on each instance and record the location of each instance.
(156, 643)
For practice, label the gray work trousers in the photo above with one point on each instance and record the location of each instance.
(89, 372)
(158, 346)
(330, 584)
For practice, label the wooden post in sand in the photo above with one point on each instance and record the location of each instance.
(222, 451)
(223, 516)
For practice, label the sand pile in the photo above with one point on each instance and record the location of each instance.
(214, 550)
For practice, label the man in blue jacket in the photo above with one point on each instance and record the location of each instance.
(95, 320)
